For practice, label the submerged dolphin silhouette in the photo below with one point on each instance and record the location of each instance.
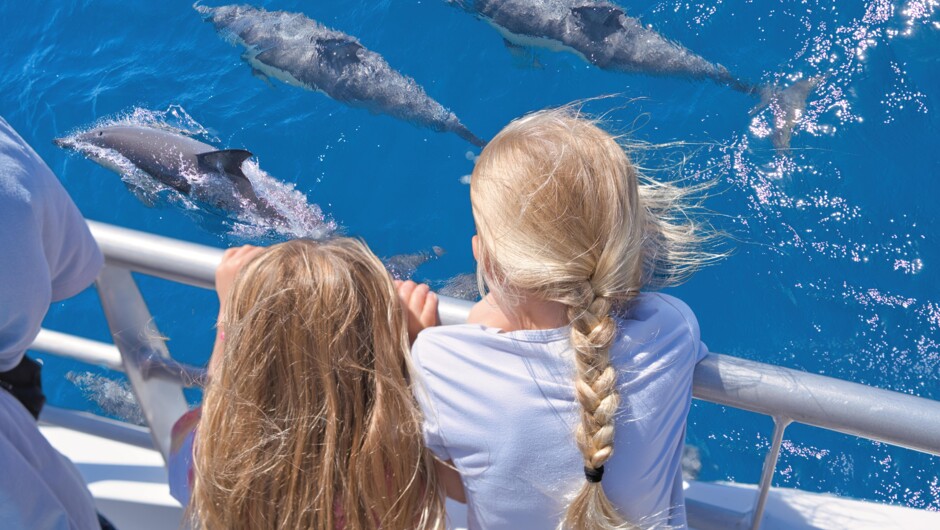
(404, 266)
(602, 34)
(302, 52)
(189, 166)
(787, 107)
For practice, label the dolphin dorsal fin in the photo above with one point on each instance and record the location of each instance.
(599, 21)
(339, 53)
(229, 163)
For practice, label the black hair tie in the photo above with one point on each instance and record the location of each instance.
(593, 475)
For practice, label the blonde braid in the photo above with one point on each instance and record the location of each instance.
(592, 333)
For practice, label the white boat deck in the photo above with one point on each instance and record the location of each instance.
(129, 484)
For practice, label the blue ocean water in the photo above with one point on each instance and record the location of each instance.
(835, 243)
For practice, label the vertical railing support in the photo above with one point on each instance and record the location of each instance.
(139, 341)
(767, 474)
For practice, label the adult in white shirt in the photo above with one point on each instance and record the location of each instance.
(47, 254)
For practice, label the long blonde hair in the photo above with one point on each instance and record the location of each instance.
(309, 421)
(562, 216)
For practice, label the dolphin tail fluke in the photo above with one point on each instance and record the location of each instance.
(205, 11)
(787, 105)
(793, 95)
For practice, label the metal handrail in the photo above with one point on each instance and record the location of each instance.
(84, 350)
(193, 264)
(140, 342)
(785, 394)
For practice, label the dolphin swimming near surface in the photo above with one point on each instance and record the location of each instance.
(302, 52)
(602, 34)
(599, 32)
(188, 166)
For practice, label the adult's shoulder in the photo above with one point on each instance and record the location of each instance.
(16, 163)
(39, 215)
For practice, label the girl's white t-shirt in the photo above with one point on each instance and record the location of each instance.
(502, 407)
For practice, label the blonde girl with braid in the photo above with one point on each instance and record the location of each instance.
(308, 420)
(563, 401)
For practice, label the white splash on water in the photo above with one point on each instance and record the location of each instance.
(301, 218)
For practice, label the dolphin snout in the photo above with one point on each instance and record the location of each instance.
(64, 143)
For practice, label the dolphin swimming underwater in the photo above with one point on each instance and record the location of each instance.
(602, 34)
(188, 166)
(302, 52)
(787, 107)
(404, 266)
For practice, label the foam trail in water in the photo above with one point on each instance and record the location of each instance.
(303, 219)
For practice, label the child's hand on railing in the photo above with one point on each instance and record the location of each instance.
(420, 306)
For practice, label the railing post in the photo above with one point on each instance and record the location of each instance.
(139, 341)
(767, 474)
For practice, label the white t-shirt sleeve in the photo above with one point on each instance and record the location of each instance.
(47, 253)
(700, 350)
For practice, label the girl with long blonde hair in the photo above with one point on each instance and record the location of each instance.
(308, 419)
(563, 401)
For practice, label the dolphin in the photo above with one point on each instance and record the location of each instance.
(304, 53)
(404, 266)
(787, 107)
(463, 286)
(602, 34)
(188, 166)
